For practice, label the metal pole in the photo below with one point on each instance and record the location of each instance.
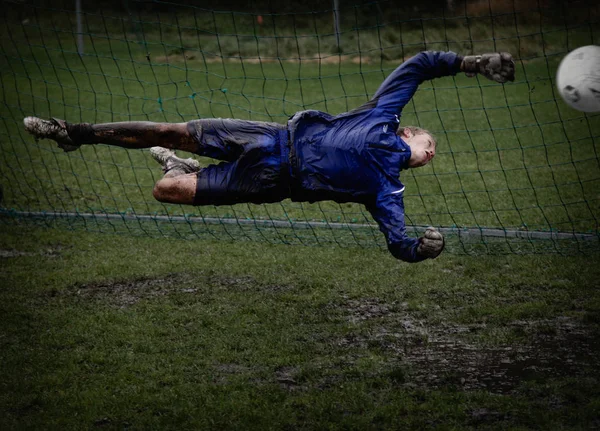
(336, 23)
(79, 27)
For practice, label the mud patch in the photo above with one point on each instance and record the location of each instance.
(54, 251)
(125, 293)
(442, 361)
(243, 284)
(15, 253)
(128, 292)
(286, 377)
(231, 284)
(435, 356)
(364, 309)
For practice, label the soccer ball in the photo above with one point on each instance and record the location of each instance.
(578, 78)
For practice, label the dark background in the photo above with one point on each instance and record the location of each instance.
(306, 6)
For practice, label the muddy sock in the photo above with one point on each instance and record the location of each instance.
(81, 133)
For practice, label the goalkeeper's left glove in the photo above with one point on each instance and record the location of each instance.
(431, 243)
(497, 66)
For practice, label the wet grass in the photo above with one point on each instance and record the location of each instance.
(121, 332)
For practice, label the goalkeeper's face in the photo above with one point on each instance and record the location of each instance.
(422, 147)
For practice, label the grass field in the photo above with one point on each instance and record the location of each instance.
(122, 322)
(113, 332)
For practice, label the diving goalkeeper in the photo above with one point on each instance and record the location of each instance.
(352, 157)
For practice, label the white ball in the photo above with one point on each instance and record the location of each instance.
(578, 78)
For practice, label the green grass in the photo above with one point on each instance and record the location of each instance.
(120, 332)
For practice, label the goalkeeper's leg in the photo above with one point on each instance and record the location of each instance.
(176, 188)
(179, 183)
(128, 134)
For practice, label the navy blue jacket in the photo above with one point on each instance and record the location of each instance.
(357, 156)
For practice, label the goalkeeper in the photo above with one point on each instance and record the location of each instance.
(352, 157)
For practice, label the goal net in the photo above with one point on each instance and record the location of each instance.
(516, 171)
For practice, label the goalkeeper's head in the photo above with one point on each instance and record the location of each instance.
(422, 145)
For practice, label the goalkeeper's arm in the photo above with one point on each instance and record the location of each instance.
(388, 212)
(400, 86)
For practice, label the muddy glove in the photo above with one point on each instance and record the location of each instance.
(431, 243)
(497, 66)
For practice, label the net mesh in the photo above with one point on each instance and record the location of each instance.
(516, 171)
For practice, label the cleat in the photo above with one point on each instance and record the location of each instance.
(161, 155)
(188, 166)
(54, 129)
(169, 161)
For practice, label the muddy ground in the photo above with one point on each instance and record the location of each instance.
(423, 354)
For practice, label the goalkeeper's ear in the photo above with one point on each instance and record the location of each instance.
(405, 132)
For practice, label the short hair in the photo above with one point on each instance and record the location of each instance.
(417, 131)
